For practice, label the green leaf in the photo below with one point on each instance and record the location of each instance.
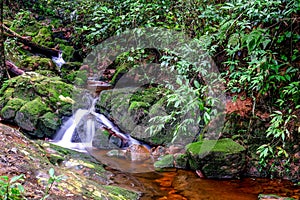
(21, 188)
(16, 178)
(51, 172)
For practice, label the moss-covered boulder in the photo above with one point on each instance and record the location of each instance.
(222, 158)
(33, 63)
(68, 52)
(131, 110)
(36, 103)
(28, 115)
(44, 37)
(166, 161)
(11, 108)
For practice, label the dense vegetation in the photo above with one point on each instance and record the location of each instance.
(255, 45)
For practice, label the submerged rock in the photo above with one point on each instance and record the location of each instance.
(273, 197)
(222, 158)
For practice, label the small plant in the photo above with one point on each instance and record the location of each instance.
(52, 179)
(11, 189)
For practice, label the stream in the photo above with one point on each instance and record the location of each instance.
(170, 184)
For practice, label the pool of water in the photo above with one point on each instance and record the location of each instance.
(184, 184)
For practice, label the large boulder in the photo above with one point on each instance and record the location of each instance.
(36, 103)
(131, 110)
(33, 63)
(221, 158)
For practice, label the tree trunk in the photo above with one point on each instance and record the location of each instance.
(49, 52)
(3, 72)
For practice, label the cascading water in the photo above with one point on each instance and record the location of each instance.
(64, 136)
(59, 61)
(89, 118)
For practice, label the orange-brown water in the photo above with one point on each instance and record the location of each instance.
(183, 184)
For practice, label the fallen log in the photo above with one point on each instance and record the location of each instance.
(13, 68)
(49, 52)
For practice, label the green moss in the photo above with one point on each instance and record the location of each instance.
(47, 73)
(136, 105)
(33, 63)
(122, 69)
(181, 161)
(51, 120)
(118, 193)
(5, 96)
(56, 159)
(78, 78)
(11, 108)
(68, 52)
(27, 117)
(226, 145)
(44, 37)
(165, 162)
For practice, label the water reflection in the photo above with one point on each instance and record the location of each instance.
(183, 184)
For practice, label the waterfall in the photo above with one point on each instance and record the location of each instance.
(59, 61)
(64, 135)
(88, 118)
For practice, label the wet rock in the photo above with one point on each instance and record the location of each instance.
(273, 197)
(137, 152)
(158, 151)
(173, 149)
(166, 161)
(116, 153)
(181, 161)
(217, 158)
(131, 110)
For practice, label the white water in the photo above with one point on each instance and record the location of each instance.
(59, 61)
(64, 136)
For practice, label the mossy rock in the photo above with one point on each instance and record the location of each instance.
(86, 178)
(226, 146)
(47, 73)
(166, 161)
(36, 103)
(44, 37)
(130, 110)
(56, 159)
(48, 124)
(68, 52)
(120, 71)
(34, 63)
(114, 192)
(11, 108)
(79, 77)
(181, 161)
(28, 115)
(222, 158)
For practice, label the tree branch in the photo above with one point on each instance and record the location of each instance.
(13, 68)
(49, 52)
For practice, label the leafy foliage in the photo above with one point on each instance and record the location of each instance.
(255, 45)
(11, 188)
